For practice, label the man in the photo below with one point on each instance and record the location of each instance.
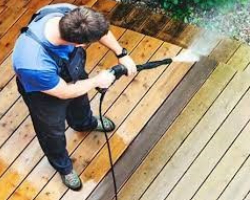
(48, 59)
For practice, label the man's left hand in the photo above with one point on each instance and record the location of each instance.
(128, 62)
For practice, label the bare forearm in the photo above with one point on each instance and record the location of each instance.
(79, 88)
(111, 42)
(65, 90)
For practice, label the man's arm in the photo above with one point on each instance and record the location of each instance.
(111, 42)
(65, 90)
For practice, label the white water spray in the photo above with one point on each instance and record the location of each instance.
(202, 45)
(187, 56)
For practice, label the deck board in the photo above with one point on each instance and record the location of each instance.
(185, 155)
(6, 71)
(8, 96)
(119, 15)
(225, 50)
(192, 113)
(3, 5)
(12, 121)
(241, 57)
(10, 15)
(173, 29)
(213, 151)
(20, 168)
(183, 125)
(247, 197)
(135, 20)
(238, 187)
(154, 24)
(104, 6)
(224, 170)
(150, 134)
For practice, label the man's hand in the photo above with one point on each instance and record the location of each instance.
(129, 64)
(104, 79)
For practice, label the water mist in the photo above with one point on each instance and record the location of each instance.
(202, 45)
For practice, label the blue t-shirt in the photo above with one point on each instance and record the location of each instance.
(34, 67)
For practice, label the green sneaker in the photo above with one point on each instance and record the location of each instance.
(108, 124)
(72, 181)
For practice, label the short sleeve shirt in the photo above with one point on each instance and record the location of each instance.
(34, 67)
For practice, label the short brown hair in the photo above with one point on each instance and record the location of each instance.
(83, 25)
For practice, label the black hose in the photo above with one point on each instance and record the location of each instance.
(108, 145)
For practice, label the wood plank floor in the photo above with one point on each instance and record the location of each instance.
(182, 129)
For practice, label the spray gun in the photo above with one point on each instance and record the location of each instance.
(120, 70)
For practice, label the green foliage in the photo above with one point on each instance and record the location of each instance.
(184, 9)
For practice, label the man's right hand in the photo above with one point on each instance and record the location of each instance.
(104, 79)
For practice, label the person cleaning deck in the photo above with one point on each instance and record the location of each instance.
(48, 60)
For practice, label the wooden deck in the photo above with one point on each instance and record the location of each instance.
(182, 130)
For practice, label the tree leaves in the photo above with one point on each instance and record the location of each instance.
(183, 9)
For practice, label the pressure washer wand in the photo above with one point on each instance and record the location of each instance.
(154, 64)
(120, 70)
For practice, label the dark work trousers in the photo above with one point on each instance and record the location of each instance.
(48, 115)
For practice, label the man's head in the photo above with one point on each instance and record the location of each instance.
(83, 25)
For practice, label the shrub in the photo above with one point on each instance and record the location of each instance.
(183, 9)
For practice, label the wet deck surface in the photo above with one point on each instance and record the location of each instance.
(182, 129)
